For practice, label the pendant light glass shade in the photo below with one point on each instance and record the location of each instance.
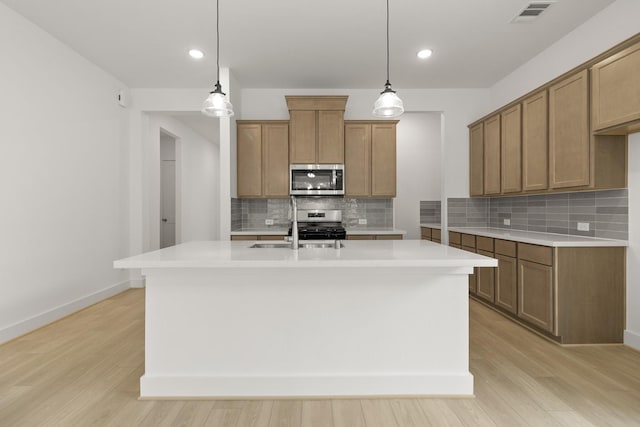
(388, 103)
(217, 104)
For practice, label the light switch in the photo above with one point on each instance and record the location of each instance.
(507, 221)
(268, 222)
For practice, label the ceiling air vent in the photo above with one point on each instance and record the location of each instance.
(532, 11)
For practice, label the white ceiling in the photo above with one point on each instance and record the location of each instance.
(305, 43)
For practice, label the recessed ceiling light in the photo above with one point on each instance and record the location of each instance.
(196, 54)
(424, 53)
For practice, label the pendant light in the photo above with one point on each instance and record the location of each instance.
(217, 104)
(388, 103)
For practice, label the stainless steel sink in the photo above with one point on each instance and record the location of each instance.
(283, 245)
(303, 245)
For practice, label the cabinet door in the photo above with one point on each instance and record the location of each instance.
(330, 137)
(425, 233)
(476, 160)
(275, 160)
(535, 143)
(506, 283)
(615, 89)
(510, 149)
(492, 155)
(535, 294)
(249, 161)
(383, 160)
(569, 139)
(302, 129)
(486, 279)
(357, 160)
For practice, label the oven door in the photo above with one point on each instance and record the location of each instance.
(316, 180)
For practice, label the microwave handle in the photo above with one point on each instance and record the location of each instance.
(334, 179)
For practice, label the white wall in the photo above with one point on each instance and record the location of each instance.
(197, 182)
(632, 333)
(63, 179)
(611, 26)
(418, 174)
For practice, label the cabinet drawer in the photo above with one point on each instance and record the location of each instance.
(505, 247)
(361, 237)
(453, 245)
(469, 240)
(435, 234)
(535, 253)
(389, 237)
(484, 243)
(425, 232)
(272, 236)
(244, 237)
(454, 238)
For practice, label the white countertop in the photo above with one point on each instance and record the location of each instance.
(377, 253)
(277, 232)
(536, 238)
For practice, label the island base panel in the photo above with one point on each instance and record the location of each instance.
(281, 332)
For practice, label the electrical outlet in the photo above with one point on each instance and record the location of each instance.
(268, 222)
(507, 221)
(362, 221)
(583, 226)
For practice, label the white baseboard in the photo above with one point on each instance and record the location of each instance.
(24, 326)
(306, 386)
(137, 283)
(632, 339)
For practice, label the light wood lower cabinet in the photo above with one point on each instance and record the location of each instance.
(506, 280)
(374, 236)
(258, 237)
(486, 280)
(574, 295)
(431, 234)
(535, 291)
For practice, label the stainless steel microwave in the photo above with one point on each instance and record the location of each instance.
(316, 180)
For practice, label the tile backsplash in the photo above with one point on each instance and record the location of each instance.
(251, 214)
(430, 211)
(606, 212)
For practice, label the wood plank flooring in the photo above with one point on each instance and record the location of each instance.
(84, 370)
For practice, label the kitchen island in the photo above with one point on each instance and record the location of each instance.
(373, 318)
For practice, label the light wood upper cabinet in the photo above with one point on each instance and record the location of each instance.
(383, 160)
(302, 127)
(370, 158)
(615, 90)
(535, 143)
(249, 157)
(569, 139)
(275, 159)
(317, 129)
(263, 158)
(511, 149)
(476, 160)
(331, 137)
(357, 153)
(492, 155)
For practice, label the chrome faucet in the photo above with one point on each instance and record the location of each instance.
(295, 244)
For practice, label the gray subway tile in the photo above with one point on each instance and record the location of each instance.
(606, 234)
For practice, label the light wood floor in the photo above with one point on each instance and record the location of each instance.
(84, 371)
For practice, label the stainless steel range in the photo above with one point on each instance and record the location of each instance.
(320, 224)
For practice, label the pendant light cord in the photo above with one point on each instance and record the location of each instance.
(218, 38)
(387, 41)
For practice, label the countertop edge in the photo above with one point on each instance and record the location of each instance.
(548, 240)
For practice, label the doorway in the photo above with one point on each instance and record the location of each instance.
(167, 190)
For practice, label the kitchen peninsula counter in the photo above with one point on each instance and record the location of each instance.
(372, 318)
